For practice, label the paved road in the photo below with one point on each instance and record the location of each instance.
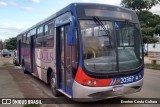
(151, 86)
(31, 87)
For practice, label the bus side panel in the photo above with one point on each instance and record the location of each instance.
(44, 59)
(44, 56)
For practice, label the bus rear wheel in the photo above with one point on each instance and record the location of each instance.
(24, 69)
(53, 85)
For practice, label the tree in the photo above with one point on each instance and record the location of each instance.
(157, 29)
(139, 5)
(150, 23)
(11, 43)
(148, 19)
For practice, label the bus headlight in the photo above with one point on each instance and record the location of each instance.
(89, 82)
(95, 82)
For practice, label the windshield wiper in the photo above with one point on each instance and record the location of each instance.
(99, 22)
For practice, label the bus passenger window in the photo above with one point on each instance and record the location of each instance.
(25, 36)
(40, 31)
(28, 35)
(46, 30)
(51, 29)
(48, 40)
(39, 42)
(33, 32)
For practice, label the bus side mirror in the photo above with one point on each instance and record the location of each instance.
(71, 38)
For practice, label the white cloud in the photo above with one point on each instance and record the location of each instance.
(86, 0)
(27, 8)
(34, 1)
(8, 31)
(112, 2)
(3, 4)
(156, 9)
(11, 28)
(13, 3)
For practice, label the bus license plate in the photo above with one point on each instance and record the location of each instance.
(118, 87)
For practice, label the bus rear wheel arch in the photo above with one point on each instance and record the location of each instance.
(52, 80)
(23, 67)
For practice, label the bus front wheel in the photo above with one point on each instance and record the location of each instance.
(53, 85)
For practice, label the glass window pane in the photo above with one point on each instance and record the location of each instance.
(99, 50)
(129, 53)
(46, 30)
(51, 28)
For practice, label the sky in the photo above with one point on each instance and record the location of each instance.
(18, 15)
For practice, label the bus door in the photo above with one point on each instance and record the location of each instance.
(65, 58)
(32, 52)
(19, 51)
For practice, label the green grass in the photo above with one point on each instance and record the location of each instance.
(152, 66)
(31, 105)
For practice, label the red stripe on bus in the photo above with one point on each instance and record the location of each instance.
(83, 79)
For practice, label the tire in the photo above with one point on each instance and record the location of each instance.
(17, 64)
(53, 86)
(24, 69)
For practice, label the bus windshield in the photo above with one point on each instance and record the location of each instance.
(117, 47)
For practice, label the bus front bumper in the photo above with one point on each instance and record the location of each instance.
(85, 93)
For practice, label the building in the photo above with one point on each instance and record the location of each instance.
(154, 47)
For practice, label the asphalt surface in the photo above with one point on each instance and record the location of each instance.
(14, 83)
